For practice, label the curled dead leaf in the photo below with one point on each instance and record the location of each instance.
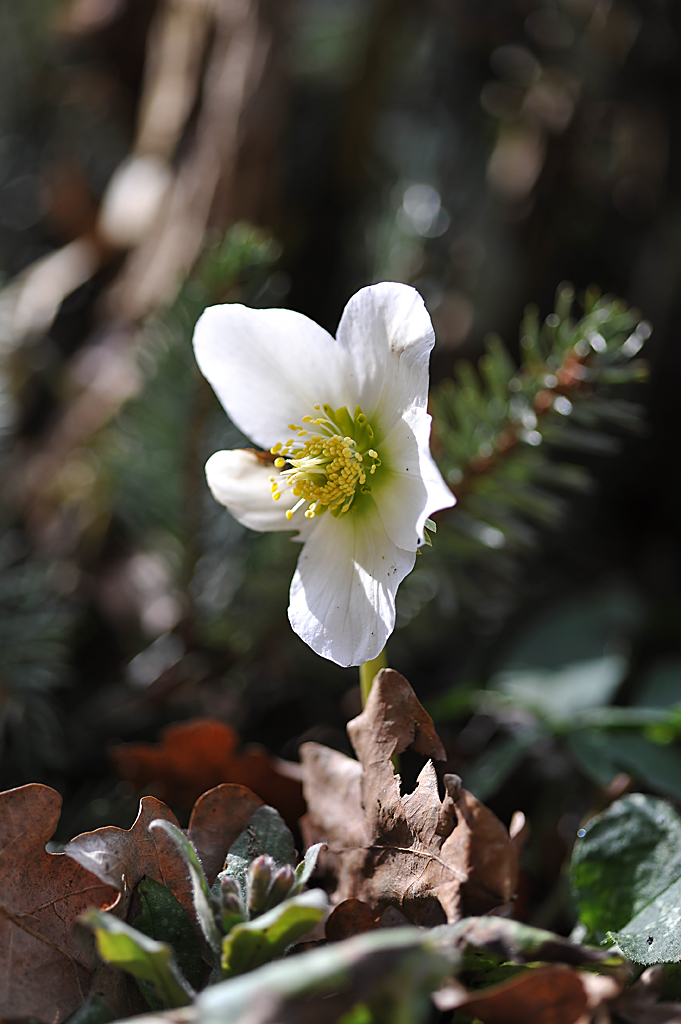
(123, 857)
(44, 976)
(417, 852)
(543, 995)
(192, 757)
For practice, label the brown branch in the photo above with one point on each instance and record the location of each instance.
(219, 55)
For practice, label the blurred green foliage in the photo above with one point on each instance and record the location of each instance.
(481, 154)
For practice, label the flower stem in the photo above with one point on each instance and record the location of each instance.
(367, 671)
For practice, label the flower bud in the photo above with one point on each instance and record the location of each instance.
(232, 903)
(282, 884)
(258, 881)
(228, 886)
(231, 910)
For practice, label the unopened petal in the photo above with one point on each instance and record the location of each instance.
(240, 480)
(410, 486)
(269, 367)
(388, 335)
(342, 600)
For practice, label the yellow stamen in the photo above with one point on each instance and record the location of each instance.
(325, 469)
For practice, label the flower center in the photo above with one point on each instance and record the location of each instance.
(328, 463)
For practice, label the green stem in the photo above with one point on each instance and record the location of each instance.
(367, 671)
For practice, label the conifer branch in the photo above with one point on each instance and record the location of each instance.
(510, 441)
(491, 421)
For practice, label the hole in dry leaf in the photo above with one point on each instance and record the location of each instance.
(410, 766)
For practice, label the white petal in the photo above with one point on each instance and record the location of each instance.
(409, 486)
(342, 600)
(269, 367)
(387, 333)
(240, 480)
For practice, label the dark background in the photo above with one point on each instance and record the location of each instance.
(548, 136)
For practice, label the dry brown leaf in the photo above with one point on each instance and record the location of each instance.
(407, 851)
(638, 1003)
(218, 819)
(43, 974)
(601, 992)
(351, 917)
(544, 995)
(122, 858)
(195, 756)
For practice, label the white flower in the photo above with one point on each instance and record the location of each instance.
(347, 461)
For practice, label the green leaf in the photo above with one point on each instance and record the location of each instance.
(577, 630)
(359, 1014)
(452, 705)
(560, 694)
(496, 948)
(661, 686)
(202, 894)
(136, 953)
(629, 856)
(655, 764)
(266, 832)
(503, 939)
(307, 866)
(499, 761)
(588, 748)
(653, 936)
(93, 1011)
(615, 717)
(392, 970)
(163, 918)
(253, 943)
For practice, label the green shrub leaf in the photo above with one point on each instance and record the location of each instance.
(254, 943)
(162, 918)
(144, 958)
(202, 893)
(307, 865)
(266, 833)
(626, 878)
(393, 970)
